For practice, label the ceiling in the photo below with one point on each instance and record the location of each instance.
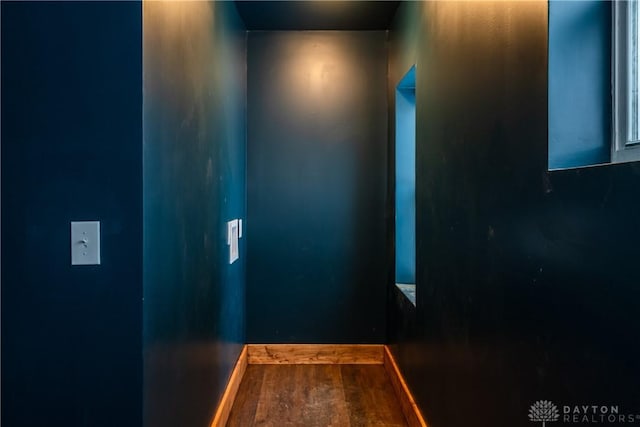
(316, 15)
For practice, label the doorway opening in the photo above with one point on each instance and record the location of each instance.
(405, 185)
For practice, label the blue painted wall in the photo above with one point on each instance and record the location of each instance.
(194, 182)
(316, 187)
(405, 183)
(71, 150)
(525, 285)
(579, 83)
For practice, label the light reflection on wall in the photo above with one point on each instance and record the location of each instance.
(486, 21)
(171, 20)
(321, 73)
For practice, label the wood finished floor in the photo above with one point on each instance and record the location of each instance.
(316, 396)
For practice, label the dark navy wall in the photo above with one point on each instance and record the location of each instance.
(71, 150)
(526, 288)
(194, 182)
(304, 15)
(316, 187)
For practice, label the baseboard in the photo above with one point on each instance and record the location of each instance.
(229, 395)
(407, 403)
(300, 354)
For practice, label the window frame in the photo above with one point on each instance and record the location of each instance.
(622, 149)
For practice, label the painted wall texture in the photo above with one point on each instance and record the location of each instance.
(71, 150)
(194, 182)
(526, 288)
(316, 187)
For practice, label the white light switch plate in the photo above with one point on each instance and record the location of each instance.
(85, 242)
(232, 240)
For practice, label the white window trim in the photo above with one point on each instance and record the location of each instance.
(622, 150)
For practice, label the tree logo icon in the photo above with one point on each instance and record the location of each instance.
(545, 411)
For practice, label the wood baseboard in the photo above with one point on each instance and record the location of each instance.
(407, 403)
(229, 395)
(371, 354)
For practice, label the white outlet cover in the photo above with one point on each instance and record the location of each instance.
(85, 242)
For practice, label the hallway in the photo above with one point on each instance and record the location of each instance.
(260, 175)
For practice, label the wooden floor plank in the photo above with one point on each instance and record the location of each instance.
(243, 412)
(277, 399)
(324, 397)
(296, 395)
(370, 397)
(316, 396)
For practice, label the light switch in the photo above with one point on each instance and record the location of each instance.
(232, 240)
(85, 242)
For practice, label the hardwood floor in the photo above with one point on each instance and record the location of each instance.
(316, 396)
